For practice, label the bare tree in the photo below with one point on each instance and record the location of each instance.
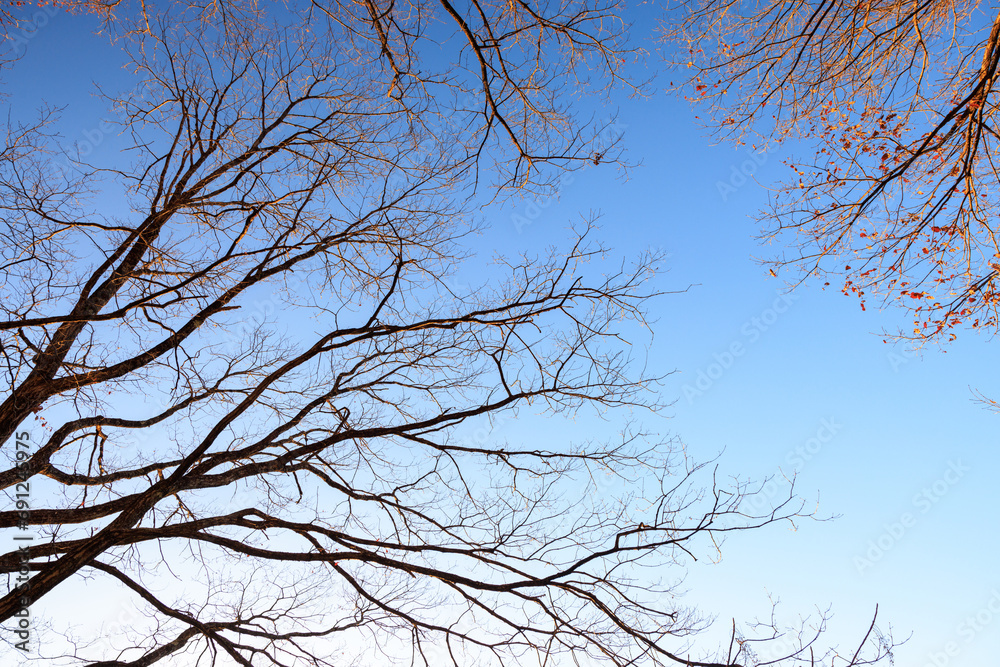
(250, 379)
(896, 101)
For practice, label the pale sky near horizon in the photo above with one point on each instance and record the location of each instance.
(771, 383)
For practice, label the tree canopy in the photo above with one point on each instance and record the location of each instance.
(892, 107)
(235, 366)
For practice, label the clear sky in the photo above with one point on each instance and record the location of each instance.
(882, 435)
(889, 440)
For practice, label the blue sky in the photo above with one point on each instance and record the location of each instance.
(867, 426)
(903, 422)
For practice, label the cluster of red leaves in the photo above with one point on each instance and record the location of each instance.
(11, 11)
(861, 148)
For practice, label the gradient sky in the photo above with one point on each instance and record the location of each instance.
(866, 426)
